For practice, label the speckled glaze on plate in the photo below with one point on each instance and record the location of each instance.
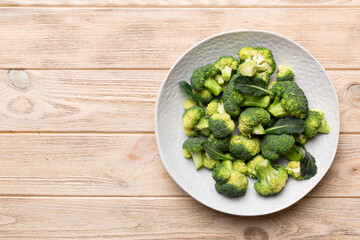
(309, 75)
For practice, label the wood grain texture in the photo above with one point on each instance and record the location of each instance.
(154, 38)
(184, 3)
(124, 165)
(112, 100)
(169, 218)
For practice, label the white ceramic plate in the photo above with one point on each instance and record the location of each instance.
(309, 75)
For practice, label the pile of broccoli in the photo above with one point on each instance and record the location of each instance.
(272, 118)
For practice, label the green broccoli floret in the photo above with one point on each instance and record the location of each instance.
(226, 64)
(272, 146)
(270, 180)
(289, 100)
(203, 77)
(209, 162)
(240, 165)
(256, 61)
(285, 74)
(251, 121)
(220, 143)
(293, 169)
(244, 148)
(315, 123)
(215, 106)
(190, 103)
(233, 99)
(221, 125)
(251, 172)
(193, 147)
(205, 96)
(229, 182)
(194, 122)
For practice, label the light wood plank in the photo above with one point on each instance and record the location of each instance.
(177, 218)
(154, 38)
(112, 100)
(184, 3)
(123, 165)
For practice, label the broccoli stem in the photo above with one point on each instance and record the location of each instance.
(294, 154)
(258, 130)
(213, 86)
(226, 73)
(227, 164)
(219, 79)
(265, 171)
(203, 127)
(324, 127)
(254, 101)
(197, 158)
(248, 68)
(276, 109)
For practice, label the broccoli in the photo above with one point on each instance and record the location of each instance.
(285, 74)
(270, 85)
(219, 79)
(233, 99)
(226, 64)
(221, 125)
(189, 103)
(194, 121)
(244, 148)
(289, 100)
(220, 143)
(251, 172)
(229, 182)
(256, 61)
(209, 162)
(251, 121)
(315, 123)
(272, 146)
(192, 147)
(270, 180)
(240, 165)
(203, 77)
(205, 96)
(215, 106)
(293, 169)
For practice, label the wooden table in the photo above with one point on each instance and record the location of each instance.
(78, 158)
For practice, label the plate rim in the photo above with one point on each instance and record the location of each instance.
(290, 203)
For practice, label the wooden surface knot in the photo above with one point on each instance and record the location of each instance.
(255, 233)
(18, 79)
(352, 94)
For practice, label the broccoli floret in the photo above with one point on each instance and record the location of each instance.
(203, 77)
(189, 103)
(285, 74)
(221, 125)
(220, 143)
(244, 148)
(193, 147)
(251, 121)
(194, 121)
(240, 165)
(205, 96)
(226, 64)
(251, 172)
(229, 182)
(215, 106)
(272, 146)
(233, 99)
(293, 169)
(289, 100)
(256, 61)
(209, 162)
(270, 180)
(315, 123)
